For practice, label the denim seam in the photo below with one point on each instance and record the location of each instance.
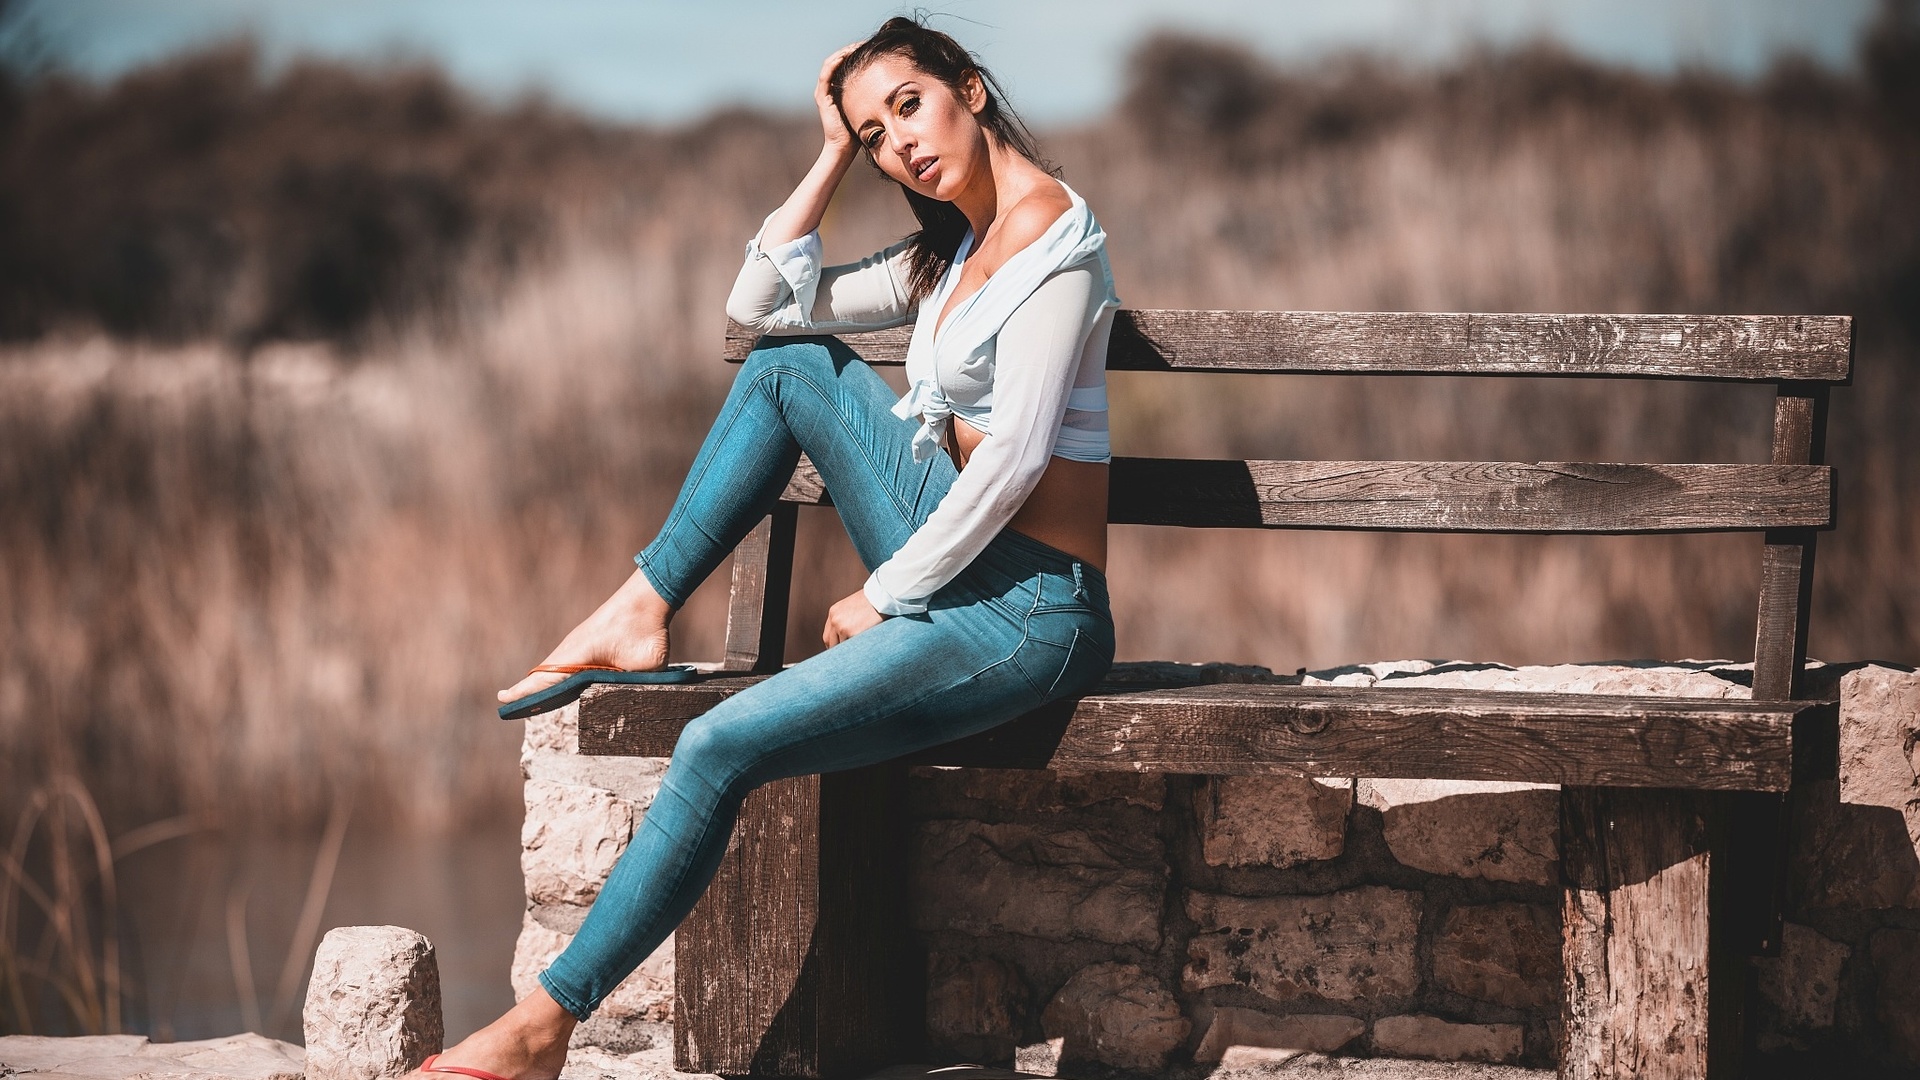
(678, 512)
(873, 467)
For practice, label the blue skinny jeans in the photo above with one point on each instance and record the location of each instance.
(1024, 624)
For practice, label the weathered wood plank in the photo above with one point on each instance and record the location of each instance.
(761, 587)
(1238, 729)
(1450, 496)
(793, 962)
(1651, 989)
(1786, 565)
(1751, 348)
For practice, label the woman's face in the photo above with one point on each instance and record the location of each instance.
(915, 127)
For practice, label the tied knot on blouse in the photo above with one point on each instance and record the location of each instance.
(1072, 237)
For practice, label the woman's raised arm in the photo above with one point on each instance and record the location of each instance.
(802, 211)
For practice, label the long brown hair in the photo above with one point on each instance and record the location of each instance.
(942, 225)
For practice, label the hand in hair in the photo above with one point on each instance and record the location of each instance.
(832, 124)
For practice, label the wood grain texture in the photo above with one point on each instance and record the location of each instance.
(761, 588)
(1467, 496)
(1786, 564)
(1240, 729)
(795, 962)
(1747, 348)
(1649, 992)
(1449, 496)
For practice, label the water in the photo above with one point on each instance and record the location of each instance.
(193, 906)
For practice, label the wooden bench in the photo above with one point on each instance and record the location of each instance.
(796, 963)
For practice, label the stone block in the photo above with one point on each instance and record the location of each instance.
(1880, 738)
(1276, 821)
(1056, 884)
(1344, 946)
(1474, 829)
(571, 838)
(555, 732)
(1232, 1032)
(1803, 982)
(1506, 953)
(373, 1004)
(1442, 1040)
(941, 792)
(132, 1057)
(1039, 1059)
(1846, 857)
(634, 779)
(1896, 972)
(1118, 1015)
(977, 1007)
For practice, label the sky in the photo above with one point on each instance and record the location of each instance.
(1062, 61)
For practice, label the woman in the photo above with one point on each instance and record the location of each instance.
(987, 595)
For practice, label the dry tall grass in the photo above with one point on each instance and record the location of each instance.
(262, 542)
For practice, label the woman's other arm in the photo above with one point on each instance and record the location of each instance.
(782, 287)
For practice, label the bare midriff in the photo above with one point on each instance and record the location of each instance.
(1067, 509)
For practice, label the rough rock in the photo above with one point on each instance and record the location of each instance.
(1843, 857)
(1232, 1032)
(572, 837)
(1880, 758)
(1272, 820)
(647, 994)
(942, 792)
(976, 1006)
(1432, 1037)
(1896, 969)
(1056, 884)
(132, 1057)
(636, 780)
(1039, 1059)
(556, 732)
(1115, 1014)
(1469, 828)
(1507, 953)
(1680, 678)
(1344, 946)
(1803, 982)
(373, 1004)
(1880, 738)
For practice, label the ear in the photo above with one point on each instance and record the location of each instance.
(974, 92)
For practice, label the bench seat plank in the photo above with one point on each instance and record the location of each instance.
(1746, 348)
(1248, 728)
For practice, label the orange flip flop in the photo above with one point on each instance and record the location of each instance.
(428, 1066)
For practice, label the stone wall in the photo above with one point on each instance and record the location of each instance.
(1147, 922)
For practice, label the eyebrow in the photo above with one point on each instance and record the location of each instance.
(887, 101)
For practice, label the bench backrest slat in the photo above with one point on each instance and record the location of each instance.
(1451, 496)
(1790, 499)
(1743, 348)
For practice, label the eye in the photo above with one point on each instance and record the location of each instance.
(873, 138)
(908, 105)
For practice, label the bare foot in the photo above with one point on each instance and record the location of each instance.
(528, 1043)
(628, 632)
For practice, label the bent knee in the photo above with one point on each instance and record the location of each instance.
(794, 356)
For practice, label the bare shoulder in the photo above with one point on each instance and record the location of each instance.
(1029, 219)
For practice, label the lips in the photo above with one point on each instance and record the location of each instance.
(922, 167)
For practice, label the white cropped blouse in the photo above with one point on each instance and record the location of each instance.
(1023, 359)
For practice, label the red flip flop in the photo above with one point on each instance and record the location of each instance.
(428, 1066)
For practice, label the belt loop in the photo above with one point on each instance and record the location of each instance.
(1079, 583)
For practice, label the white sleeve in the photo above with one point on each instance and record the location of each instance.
(1037, 355)
(783, 289)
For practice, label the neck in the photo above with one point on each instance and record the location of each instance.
(995, 188)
